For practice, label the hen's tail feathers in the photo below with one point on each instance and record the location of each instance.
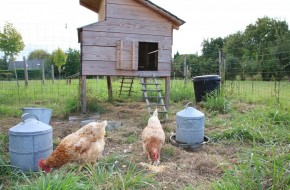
(105, 123)
(155, 113)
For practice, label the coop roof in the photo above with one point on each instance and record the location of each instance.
(94, 5)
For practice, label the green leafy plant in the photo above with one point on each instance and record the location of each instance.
(168, 151)
(238, 133)
(132, 139)
(215, 101)
(115, 172)
(58, 181)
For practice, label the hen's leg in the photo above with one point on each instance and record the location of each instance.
(94, 163)
(81, 167)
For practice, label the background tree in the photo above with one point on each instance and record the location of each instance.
(59, 59)
(234, 45)
(38, 54)
(233, 67)
(177, 67)
(49, 65)
(233, 51)
(194, 64)
(258, 39)
(72, 65)
(192, 60)
(11, 44)
(210, 55)
(42, 54)
(280, 56)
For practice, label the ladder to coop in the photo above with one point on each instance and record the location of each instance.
(126, 85)
(152, 94)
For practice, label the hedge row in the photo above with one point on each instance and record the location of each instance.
(10, 75)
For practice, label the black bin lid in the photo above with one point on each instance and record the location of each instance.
(207, 78)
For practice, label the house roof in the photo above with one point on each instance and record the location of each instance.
(33, 64)
(94, 5)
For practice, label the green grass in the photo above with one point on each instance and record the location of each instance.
(168, 152)
(64, 99)
(260, 168)
(259, 91)
(58, 181)
(217, 102)
(109, 173)
(132, 138)
(8, 174)
(262, 124)
(180, 91)
(264, 157)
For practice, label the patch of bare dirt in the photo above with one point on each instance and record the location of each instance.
(178, 168)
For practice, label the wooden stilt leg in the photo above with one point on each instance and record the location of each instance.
(110, 89)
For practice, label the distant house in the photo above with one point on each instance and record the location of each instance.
(35, 64)
(131, 38)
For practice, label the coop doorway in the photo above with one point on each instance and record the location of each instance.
(148, 56)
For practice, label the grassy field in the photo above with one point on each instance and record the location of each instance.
(259, 91)
(63, 98)
(252, 117)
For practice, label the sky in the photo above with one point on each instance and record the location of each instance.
(49, 24)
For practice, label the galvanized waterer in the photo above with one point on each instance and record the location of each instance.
(42, 114)
(29, 141)
(190, 126)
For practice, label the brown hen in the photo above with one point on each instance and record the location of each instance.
(84, 146)
(153, 138)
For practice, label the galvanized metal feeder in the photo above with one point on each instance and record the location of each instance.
(29, 141)
(189, 129)
(42, 114)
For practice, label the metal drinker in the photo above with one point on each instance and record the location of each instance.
(190, 126)
(29, 141)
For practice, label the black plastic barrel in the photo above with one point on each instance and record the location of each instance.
(205, 84)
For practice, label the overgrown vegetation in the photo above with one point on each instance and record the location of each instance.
(216, 101)
(263, 161)
(114, 172)
(260, 168)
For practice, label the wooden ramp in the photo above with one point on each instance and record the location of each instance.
(126, 84)
(74, 76)
(152, 94)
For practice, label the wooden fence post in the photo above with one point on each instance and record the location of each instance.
(52, 74)
(184, 69)
(43, 74)
(25, 65)
(220, 63)
(221, 66)
(15, 72)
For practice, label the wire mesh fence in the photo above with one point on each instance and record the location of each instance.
(60, 92)
(63, 94)
(36, 83)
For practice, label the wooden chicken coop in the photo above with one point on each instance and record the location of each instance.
(132, 38)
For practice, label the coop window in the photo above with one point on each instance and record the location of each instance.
(148, 56)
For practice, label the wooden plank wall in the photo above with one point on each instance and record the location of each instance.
(125, 19)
